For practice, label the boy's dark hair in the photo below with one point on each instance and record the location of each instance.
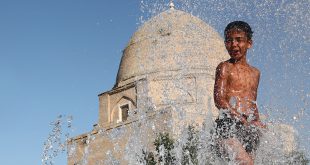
(240, 25)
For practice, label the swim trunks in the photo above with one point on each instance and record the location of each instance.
(227, 127)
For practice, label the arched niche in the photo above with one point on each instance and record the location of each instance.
(121, 110)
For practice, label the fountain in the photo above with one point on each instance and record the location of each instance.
(165, 84)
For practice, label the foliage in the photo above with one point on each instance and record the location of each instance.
(190, 150)
(148, 158)
(164, 146)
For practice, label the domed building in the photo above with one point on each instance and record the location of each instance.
(165, 81)
(172, 58)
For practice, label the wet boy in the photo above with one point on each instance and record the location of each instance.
(235, 92)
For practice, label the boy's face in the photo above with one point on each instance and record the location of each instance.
(237, 43)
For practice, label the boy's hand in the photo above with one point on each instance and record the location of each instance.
(240, 117)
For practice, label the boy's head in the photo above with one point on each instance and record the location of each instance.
(238, 39)
(240, 26)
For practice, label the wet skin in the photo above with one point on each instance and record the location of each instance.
(236, 82)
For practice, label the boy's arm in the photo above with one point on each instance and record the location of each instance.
(220, 91)
(257, 120)
(256, 113)
(220, 85)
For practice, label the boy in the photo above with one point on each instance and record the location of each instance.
(235, 92)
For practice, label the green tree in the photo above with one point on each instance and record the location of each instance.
(163, 143)
(148, 158)
(190, 149)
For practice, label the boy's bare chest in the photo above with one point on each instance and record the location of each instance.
(242, 78)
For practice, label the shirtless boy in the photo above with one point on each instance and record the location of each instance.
(235, 92)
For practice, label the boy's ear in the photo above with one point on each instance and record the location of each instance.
(250, 44)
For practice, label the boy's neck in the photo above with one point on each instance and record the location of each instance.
(241, 61)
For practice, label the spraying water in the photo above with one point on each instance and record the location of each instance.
(281, 52)
(56, 142)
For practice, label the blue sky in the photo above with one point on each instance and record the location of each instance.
(57, 56)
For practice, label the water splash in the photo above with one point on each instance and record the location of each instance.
(56, 143)
(280, 51)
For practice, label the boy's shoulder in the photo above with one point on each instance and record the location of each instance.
(224, 64)
(223, 68)
(255, 70)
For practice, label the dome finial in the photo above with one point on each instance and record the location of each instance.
(171, 4)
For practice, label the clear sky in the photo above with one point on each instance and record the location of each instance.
(57, 56)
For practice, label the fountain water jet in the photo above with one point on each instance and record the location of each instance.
(56, 143)
(290, 49)
(281, 52)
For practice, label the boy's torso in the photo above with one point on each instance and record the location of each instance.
(242, 83)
